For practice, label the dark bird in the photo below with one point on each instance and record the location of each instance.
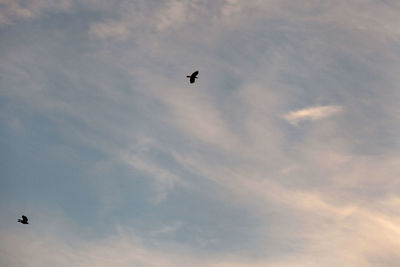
(24, 220)
(193, 77)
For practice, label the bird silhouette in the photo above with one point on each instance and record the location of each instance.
(193, 77)
(24, 220)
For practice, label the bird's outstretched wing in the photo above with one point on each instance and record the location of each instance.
(194, 74)
(24, 218)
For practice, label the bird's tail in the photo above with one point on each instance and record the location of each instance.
(19, 220)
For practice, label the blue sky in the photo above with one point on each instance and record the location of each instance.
(285, 152)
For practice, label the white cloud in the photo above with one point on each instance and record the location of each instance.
(312, 113)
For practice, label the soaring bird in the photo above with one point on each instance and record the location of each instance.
(193, 77)
(24, 220)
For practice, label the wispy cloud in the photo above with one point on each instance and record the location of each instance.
(312, 113)
(164, 180)
(12, 10)
(225, 179)
(108, 30)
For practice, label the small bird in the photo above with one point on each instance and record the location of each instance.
(24, 220)
(193, 77)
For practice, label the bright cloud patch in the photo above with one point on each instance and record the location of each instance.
(313, 113)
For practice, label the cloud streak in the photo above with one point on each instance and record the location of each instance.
(312, 113)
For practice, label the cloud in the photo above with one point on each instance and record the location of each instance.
(173, 14)
(12, 10)
(164, 180)
(335, 212)
(331, 234)
(107, 30)
(312, 113)
(251, 188)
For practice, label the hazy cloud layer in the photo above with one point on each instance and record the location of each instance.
(118, 160)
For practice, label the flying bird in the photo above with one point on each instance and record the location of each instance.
(24, 220)
(193, 77)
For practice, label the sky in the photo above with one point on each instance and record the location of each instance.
(285, 152)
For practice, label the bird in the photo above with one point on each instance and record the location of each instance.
(193, 77)
(24, 220)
